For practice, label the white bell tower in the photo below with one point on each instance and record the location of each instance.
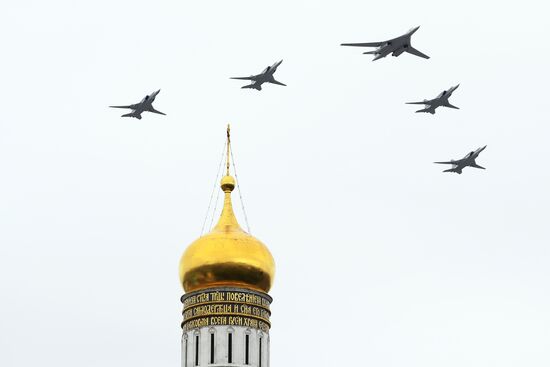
(226, 275)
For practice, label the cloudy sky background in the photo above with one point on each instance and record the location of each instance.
(382, 259)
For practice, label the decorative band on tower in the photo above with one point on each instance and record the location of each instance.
(226, 306)
(226, 275)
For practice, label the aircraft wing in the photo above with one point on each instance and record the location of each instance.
(277, 82)
(152, 109)
(425, 102)
(428, 110)
(415, 52)
(132, 106)
(477, 166)
(451, 106)
(454, 169)
(133, 114)
(366, 44)
(256, 86)
(450, 162)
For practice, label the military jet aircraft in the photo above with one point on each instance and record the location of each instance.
(395, 46)
(265, 76)
(441, 100)
(468, 161)
(146, 105)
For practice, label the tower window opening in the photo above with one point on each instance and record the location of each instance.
(230, 348)
(246, 349)
(212, 348)
(196, 350)
(260, 353)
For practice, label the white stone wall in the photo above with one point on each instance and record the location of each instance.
(188, 347)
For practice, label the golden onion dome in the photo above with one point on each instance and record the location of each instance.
(227, 256)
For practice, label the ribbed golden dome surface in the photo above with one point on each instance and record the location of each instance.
(227, 256)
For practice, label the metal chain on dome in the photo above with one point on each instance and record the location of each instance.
(240, 194)
(212, 194)
(214, 211)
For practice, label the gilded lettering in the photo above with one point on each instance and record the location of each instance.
(203, 297)
(217, 297)
(235, 321)
(218, 320)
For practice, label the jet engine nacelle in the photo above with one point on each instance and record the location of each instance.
(398, 52)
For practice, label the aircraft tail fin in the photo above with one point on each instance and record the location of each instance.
(370, 53)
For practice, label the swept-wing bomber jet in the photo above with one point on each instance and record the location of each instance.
(395, 46)
(441, 100)
(468, 161)
(146, 105)
(265, 76)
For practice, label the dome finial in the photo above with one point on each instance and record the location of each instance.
(228, 182)
(227, 219)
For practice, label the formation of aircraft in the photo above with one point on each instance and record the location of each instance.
(441, 100)
(468, 161)
(146, 105)
(265, 76)
(395, 47)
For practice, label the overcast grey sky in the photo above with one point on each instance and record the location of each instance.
(382, 260)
